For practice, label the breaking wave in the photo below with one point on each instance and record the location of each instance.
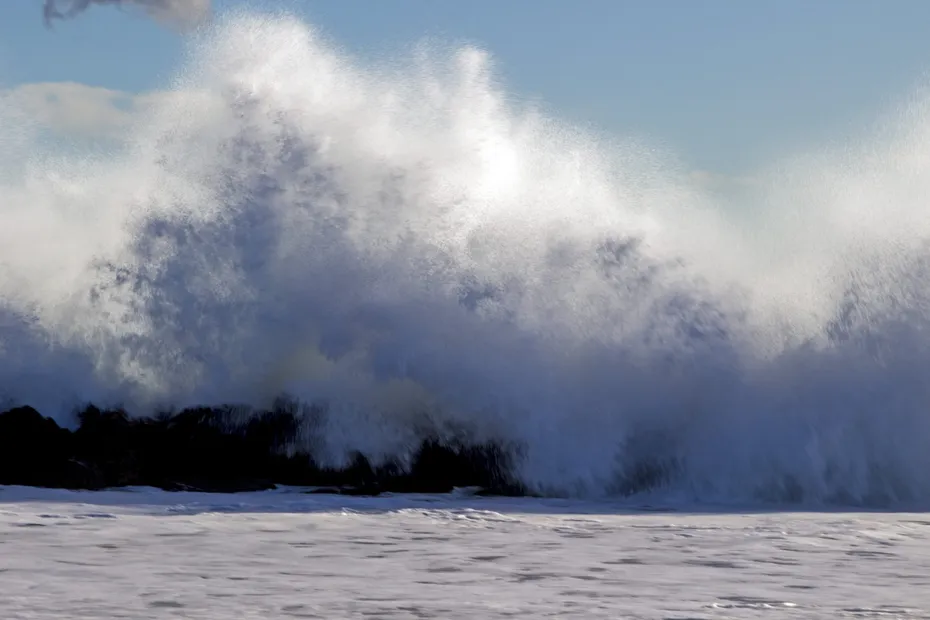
(408, 249)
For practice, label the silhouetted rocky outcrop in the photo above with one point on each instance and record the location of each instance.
(216, 450)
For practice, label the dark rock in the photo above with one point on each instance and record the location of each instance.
(213, 450)
(34, 452)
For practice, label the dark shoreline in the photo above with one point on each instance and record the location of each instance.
(204, 449)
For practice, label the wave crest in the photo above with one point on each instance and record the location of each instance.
(405, 246)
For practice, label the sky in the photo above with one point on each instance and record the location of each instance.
(728, 86)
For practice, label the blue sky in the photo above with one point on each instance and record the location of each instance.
(728, 85)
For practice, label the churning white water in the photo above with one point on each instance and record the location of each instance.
(405, 245)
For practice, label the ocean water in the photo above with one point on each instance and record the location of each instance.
(140, 553)
(405, 246)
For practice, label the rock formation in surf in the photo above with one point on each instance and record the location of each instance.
(210, 449)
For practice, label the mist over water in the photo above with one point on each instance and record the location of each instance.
(404, 245)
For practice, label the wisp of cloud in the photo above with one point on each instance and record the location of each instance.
(181, 14)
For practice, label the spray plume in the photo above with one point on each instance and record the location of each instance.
(405, 247)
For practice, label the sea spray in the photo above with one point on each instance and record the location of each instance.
(408, 249)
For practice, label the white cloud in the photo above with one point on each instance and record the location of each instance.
(181, 14)
(79, 110)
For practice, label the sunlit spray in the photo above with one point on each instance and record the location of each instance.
(415, 251)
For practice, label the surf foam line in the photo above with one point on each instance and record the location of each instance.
(405, 247)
